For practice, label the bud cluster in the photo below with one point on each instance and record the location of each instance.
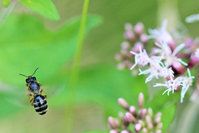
(143, 120)
(135, 38)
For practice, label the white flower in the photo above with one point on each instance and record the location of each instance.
(186, 82)
(167, 54)
(141, 58)
(192, 18)
(156, 69)
(161, 35)
(166, 72)
(197, 53)
(171, 85)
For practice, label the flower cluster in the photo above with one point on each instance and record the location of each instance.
(166, 59)
(142, 119)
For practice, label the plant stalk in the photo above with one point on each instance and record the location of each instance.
(69, 113)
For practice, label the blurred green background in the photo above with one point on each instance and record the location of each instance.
(28, 40)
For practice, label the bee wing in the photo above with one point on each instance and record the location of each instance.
(18, 96)
(19, 102)
(52, 90)
(15, 96)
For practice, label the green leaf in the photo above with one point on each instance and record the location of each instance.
(104, 85)
(166, 105)
(32, 45)
(44, 7)
(168, 114)
(27, 44)
(6, 3)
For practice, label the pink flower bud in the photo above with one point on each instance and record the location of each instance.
(148, 118)
(159, 125)
(141, 100)
(124, 51)
(128, 27)
(125, 45)
(140, 122)
(139, 28)
(149, 125)
(138, 127)
(193, 61)
(144, 130)
(134, 72)
(178, 68)
(125, 131)
(125, 121)
(143, 113)
(137, 47)
(113, 123)
(129, 35)
(129, 56)
(158, 131)
(150, 112)
(120, 66)
(130, 118)
(189, 42)
(144, 38)
(132, 110)
(113, 131)
(158, 117)
(172, 45)
(127, 63)
(123, 103)
(118, 57)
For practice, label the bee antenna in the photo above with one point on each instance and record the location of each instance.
(35, 71)
(23, 75)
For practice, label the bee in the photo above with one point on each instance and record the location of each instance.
(35, 94)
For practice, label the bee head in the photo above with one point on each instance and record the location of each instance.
(30, 79)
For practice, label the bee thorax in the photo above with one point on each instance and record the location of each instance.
(34, 87)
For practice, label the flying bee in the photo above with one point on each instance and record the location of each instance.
(35, 94)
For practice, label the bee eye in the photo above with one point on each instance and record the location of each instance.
(27, 80)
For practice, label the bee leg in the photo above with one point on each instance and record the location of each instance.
(45, 96)
(31, 102)
(29, 95)
(27, 85)
(41, 91)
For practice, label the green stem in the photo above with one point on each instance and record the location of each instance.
(69, 116)
(168, 9)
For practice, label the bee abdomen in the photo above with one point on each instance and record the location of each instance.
(40, 104)
(42, 109)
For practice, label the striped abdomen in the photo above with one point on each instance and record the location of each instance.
(40, 104)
